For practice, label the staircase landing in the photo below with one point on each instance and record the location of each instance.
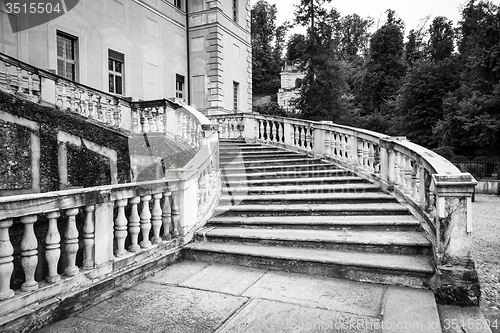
(201, 297)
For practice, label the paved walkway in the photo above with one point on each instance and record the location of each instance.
(202, 297)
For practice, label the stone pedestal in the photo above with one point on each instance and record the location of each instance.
(458, 281)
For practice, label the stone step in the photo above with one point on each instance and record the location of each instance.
(264, 150)
(288, 174)
(296, 181)
(255, 188)
(313, 209)
(399, 242)
(304, 198)
(354, 222)
(269, 168)
(266, 163)
(411, 271)
(224, 159)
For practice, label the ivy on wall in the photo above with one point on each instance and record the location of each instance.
(15, 156)
(85, 168)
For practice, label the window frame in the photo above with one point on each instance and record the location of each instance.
(236, 91)
(179, 86)
(116, 57)
(179, 4)
(75, 50)
(235, 11)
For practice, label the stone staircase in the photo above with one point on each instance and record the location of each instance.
(286, 211)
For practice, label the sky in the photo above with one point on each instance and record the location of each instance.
(412, 12)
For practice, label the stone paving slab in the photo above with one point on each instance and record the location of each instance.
(179, 272)
(227, 279)
(411, 311)
(454, 319)
(270, 316)
(319, 292)
(152, 307)
(178, 299)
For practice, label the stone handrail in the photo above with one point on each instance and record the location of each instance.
(113, 227)
(434, 189)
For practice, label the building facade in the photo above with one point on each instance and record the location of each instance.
(197, 51)
(291, 80)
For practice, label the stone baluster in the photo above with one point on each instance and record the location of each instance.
(72, 100)
(29, 258)
(159, 120)
(120, 228)
(30, 86)
(371, 157)
(302, 137)
(296, 136)
(281, 137)
(134, 225)
(89, 238)
(397, 161)
(53, 248)
(194, 134)
(332, 145)
(402, 173)
(152, 120)
(273, 131)
(6, 260)
(189, 130)
(90, 106)
(348, 148)
(309, 143)
(415, 183)
(261, 130)
(164, 118)
(166, 216)
(71, 239)
(144, 121)
(366, 156)
(7, 77)
(99, 106)
(408, 176)
(360, 153)
(241, 128)
(61, 96)
(19, 80)
(145, 222)
(184, 126)
(117, 114)
(176, 220)
(156, 218)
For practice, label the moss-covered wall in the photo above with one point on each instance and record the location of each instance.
(15, 157)
(85, 168)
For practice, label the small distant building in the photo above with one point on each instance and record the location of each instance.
(291, 80)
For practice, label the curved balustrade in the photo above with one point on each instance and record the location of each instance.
(157, 116)
(435, 189)
(90, 234)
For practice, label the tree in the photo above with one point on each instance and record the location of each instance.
(267, 47)
(296, 47)
(385, 67)
(471, 121)
(323, 84)
(441, 40)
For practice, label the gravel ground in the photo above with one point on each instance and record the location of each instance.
(486, 252)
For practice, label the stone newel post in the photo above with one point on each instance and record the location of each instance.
(457, 274)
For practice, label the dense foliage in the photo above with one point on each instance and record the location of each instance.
(439, 85)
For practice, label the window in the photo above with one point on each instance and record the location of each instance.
(178, 3)
(179, 86)
(236, 87)
(67, 56)
(116, 69)
(235, 10)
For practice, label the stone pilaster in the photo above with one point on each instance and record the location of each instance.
(249, 55)
(215, 68)
(458, 281)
